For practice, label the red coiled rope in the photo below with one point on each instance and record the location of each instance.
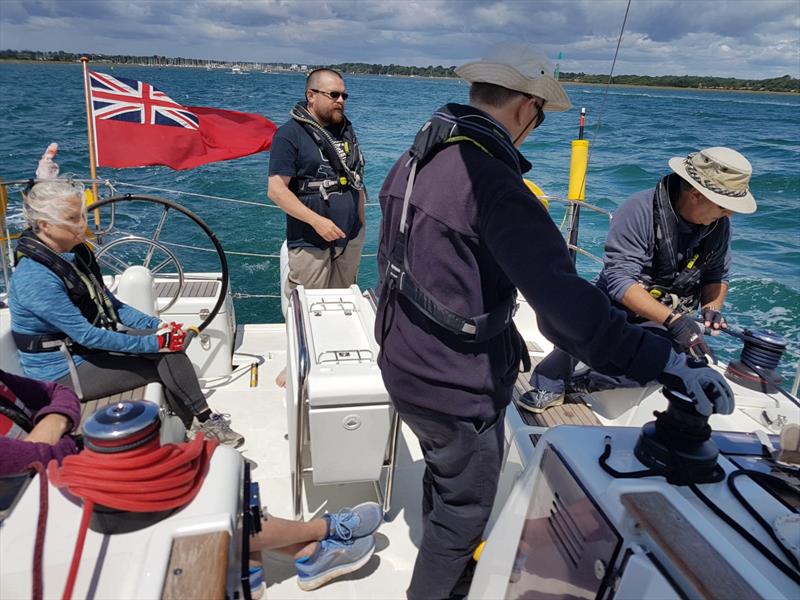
(149, 478)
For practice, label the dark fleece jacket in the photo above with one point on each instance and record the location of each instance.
(477, 232)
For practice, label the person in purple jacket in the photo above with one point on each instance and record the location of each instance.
(52, 409)
(461, 233)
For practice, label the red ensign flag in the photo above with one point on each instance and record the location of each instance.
(136, 125)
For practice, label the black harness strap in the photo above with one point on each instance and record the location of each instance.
(348, 162)
(445, 128)
(673, 283)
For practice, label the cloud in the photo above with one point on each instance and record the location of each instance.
(737, 38)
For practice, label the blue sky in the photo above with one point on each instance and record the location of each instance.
(732, 38)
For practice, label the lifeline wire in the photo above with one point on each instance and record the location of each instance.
(210, 197)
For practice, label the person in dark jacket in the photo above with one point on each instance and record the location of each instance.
(460, 231)
(52, 410)
(666, 255)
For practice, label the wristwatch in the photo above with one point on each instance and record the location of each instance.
(674, 314)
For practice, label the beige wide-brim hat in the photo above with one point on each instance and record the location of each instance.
(519, 67)
(722, 175)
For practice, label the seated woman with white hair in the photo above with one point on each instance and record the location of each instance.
(57, 297)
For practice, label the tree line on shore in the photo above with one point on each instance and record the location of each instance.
(774, 84)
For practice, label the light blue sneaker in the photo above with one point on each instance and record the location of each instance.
(257, 584)
(333, 559)
(353, 523)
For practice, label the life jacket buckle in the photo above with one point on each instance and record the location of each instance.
(394, 276)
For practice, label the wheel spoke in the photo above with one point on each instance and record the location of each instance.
(156, 236)
(105, 260)
(161, 265)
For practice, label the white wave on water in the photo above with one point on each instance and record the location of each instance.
(708, 95)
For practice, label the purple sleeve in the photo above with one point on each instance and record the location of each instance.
(44, 397)
(15, 455)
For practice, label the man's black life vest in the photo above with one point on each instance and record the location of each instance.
(345, 156)
(83, 282)
(673, 282)
(451, 124)
(346, 160)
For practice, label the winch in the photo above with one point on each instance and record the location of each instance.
(121, 427)
(756, 367)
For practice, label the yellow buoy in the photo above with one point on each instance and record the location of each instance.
(579, 161)
(538, 192)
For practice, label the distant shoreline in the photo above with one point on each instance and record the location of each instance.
(567, 82)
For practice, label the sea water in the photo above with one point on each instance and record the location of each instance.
(633, 132)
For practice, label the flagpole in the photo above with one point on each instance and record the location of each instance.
(90, 134)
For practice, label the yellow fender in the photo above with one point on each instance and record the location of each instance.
(538, 192)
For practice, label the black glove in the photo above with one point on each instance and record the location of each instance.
(713, 319)
(688, 334)
(708, 389)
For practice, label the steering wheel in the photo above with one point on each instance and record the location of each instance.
(155, 248)
(118, 264)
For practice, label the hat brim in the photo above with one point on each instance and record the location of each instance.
(544, 86)
(744, 204)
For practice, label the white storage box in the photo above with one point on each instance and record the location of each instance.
(348, 410)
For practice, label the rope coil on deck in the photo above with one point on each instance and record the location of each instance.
(147, 478)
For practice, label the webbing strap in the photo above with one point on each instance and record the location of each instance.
(73, 371)
(36, 343)
(412, 174)
(474, 329)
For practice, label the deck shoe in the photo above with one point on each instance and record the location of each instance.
(257, 584)
(217, 427)
(333, 559)
(537, 401)
(352, 523)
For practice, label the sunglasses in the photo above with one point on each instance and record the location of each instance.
(539, 111)
(332, 95)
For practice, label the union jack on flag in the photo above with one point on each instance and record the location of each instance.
(121, 99)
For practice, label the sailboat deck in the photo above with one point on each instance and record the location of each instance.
(259, 413)
(574, 411)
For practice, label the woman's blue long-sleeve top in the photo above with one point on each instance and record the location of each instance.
(40, 305)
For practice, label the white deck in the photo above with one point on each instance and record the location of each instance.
(260, 415)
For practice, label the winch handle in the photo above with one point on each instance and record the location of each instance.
(729, 330)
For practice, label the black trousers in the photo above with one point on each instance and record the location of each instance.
(462, 466)
(104, 374)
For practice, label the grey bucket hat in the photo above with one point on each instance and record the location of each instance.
(519, 67)
(721, 174)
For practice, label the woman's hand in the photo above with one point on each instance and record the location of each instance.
(50, 429)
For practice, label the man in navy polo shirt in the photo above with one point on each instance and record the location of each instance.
(316, 175)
